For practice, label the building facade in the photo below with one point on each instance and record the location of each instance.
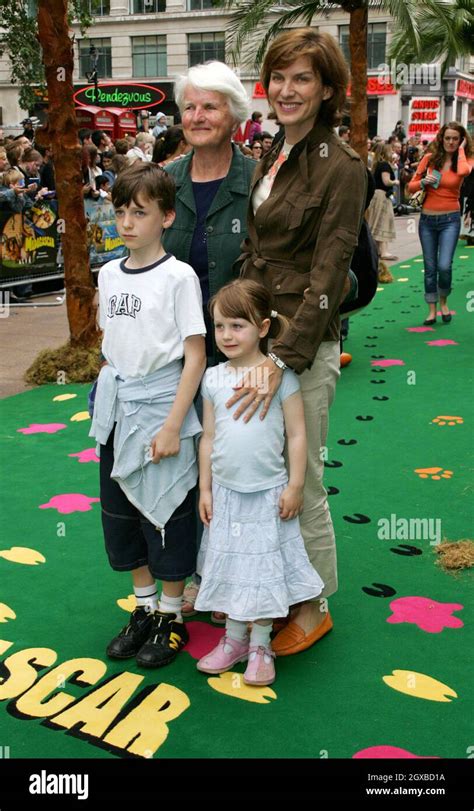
(149, 42)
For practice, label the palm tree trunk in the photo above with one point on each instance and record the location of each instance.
(358, 30)
(61, 133)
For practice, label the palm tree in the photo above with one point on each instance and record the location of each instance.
(249, 26)
(61, 133)
(438, 42)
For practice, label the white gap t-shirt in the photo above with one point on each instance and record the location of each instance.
(247, 457)
(147, 313)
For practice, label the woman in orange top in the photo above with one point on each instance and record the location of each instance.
(440, 173)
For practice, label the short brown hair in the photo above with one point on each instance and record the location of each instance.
(30, 155)
(244, 298)
(14, 154)
(327, 61)
(121, 146)
(147, 179)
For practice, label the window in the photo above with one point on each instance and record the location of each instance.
(200, 5)
(203, 47)
(104, 62)
(143, 6)
(99, 8)
(149, 56)
(376, 43)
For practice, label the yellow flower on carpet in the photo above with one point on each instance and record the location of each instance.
(128, 603)
(6, 613)
(232, 684)
(61, 397)
(419, 685)
(80, 416)
(21, 554)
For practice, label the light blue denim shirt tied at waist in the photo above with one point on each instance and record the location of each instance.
(139, 407)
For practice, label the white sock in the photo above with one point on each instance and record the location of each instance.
(146, 597)
(236, 630)
(171, 605)
(260, 634)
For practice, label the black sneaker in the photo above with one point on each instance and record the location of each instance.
(131, 638)
(166, 639)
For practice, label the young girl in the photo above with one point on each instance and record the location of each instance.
(252, 558)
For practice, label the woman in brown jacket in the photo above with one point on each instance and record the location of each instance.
(306, 208)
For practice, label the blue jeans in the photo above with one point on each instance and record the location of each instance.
(439, 234)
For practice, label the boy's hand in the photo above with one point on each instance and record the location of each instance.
(164, 444)
(205, 506)
(291, 502)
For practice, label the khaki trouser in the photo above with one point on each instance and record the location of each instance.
(318, 386)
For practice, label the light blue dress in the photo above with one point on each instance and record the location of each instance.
(253, 565)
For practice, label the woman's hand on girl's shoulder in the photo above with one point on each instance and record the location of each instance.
(258, 386)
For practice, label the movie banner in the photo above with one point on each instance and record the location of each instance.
(29, 243)
(102, 238)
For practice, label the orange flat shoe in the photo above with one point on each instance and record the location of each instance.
(279, 624)
(292, 639)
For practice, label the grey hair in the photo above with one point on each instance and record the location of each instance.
(218, 78)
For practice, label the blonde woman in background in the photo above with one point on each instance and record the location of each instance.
(380, 214)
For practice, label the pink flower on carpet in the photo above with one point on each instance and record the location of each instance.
(419, 329)
(442, 342)
(42, 428)
(202, 638)
(388, 362)
(390, 752)
(69, 503)
(429, 615)
(89, 455)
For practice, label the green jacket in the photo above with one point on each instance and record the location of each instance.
(226, 220)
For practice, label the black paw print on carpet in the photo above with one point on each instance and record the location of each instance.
(380, 590)
(406, 550)
(357, 518)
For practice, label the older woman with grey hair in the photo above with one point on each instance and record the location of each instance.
(212, 188)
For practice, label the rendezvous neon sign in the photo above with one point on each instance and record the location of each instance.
(117, 94)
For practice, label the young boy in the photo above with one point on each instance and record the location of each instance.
(150, 310)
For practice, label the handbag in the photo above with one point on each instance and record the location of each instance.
(417, 198)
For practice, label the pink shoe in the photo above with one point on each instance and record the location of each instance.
(260, 669)
(226, 654)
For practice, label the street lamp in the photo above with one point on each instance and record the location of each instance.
(92, 76)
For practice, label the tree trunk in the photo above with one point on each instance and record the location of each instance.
(358, 32)
(61, 133)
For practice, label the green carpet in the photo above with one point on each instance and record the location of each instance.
(370, 683)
